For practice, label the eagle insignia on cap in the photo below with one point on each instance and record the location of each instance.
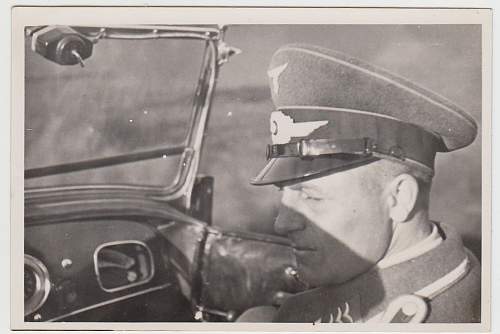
(274, 75)
(283, 127)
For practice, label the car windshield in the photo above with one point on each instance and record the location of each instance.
(131, 96)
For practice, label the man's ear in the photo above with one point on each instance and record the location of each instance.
(402, 193)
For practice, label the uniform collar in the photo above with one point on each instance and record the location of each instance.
(430, 242)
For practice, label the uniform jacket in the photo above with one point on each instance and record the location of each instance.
(446, 278)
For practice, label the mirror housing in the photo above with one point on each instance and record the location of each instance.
(62, 45)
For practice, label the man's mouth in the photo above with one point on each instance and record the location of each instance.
(300, 248)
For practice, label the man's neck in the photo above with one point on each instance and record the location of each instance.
(409, 233)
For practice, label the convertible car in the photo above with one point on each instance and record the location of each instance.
(118, 220)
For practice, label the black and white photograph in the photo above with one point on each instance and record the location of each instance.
(325, 172)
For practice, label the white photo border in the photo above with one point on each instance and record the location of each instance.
(22, 16)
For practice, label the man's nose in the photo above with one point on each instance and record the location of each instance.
(288, 221)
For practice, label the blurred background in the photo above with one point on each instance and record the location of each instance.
(131, 96)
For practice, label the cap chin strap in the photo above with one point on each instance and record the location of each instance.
(315, 147)
(364, 147)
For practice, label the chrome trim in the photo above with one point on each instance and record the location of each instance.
(167, 225)
(123, 242)
(151, 35)
(196, 135)
(111, 301)
(139, 31)
(124, 30)
(42, 284)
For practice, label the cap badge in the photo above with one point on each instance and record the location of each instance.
(274, 75)
(283, 127)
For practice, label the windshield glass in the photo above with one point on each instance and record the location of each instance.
(131, 96)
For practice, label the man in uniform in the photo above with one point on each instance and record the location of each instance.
(353, 150)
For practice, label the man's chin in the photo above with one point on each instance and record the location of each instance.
(315, 275)
(312, 279)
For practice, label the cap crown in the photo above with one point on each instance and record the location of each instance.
(305, 75)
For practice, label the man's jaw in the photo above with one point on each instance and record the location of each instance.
(298, 245)
(299, 248)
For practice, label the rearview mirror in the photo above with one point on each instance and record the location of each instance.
(62, 45)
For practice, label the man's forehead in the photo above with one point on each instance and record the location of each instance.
(343, 178)
(302, 186)
(319, 183)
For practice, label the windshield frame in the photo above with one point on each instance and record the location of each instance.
(190, 150)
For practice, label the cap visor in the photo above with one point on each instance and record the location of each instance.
(286, 169)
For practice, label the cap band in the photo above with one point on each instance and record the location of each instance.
(316, 132)
(315, 147)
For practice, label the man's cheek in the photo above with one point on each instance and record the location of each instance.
(318, 208)
(333, 221)
(311, 213)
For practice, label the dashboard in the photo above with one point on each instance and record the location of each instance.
(138, 260)
(99, 269)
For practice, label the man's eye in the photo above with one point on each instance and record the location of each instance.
(308, 197)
